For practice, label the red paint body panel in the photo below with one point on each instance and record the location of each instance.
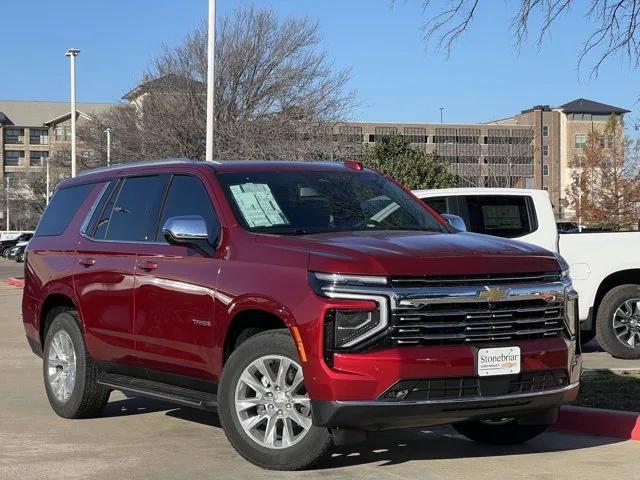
(145, 318)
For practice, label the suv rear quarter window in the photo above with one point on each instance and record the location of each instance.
(63, 206)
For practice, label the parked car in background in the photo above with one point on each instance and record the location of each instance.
(277, 294)
(605, 266)
(7, 244)
(17, 253)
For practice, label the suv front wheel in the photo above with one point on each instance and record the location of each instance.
(69, 372)
(264, 407)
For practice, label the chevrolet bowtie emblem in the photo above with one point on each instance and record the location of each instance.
(492, 295)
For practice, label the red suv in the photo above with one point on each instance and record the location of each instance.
(307, 303)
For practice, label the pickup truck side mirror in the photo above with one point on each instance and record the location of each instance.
(455, 221)
(189, 231)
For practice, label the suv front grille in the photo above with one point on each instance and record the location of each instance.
(467, 387)
(493, 279)
(444, 324)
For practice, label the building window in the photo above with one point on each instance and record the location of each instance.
(545, 130)
(63, 133)
(606, 142)
(581, 140)
(36, 159)
(545, 188)
(38, 136)
(545, 170)
(14, 136)
(545, 150)
(12, 157)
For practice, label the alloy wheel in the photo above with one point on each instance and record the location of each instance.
(626, 323)
(271, 402)
(61, 366)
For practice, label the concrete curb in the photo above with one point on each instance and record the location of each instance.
(15, 282)
(596, 421)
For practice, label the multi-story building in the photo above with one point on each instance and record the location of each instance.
(32, 131)
(532, 149)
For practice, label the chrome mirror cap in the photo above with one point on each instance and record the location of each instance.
(455, 221)
(186, 230)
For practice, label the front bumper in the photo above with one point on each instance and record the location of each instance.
(386, 415)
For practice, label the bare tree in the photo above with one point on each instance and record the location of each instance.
(615, 24)
(277, 96)
(605, 187)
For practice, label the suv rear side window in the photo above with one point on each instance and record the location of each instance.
(508, 216)
(131, 212)
(187, 196)
(63, 206)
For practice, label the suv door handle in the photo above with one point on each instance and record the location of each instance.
(148, 266)
(87, 262)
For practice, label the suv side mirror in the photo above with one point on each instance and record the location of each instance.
(455, 221)
(188, 231)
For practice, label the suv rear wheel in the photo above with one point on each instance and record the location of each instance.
(505, 431)
(264, 407)
(69, 372)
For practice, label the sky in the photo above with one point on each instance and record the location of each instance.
(394, 76)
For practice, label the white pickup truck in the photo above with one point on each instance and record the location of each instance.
(604, 266)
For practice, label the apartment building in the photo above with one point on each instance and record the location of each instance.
(531, 149)
(32, 131)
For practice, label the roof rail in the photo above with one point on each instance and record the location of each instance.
(142, 163)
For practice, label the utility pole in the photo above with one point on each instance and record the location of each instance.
(48, 182)
(72, 53)
(211, 63)
(6, 191)
(108, 132)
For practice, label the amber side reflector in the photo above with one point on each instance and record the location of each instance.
(299, 344)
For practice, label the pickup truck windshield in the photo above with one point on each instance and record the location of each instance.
(298, 203)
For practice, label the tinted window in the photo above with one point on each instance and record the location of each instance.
(187, 196)
(298, 203)
(507, 216)
(439, 204)
(63, 206)
(135, 209)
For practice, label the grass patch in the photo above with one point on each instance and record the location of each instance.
(612, 390)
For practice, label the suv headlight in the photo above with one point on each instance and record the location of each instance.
(565, 273)
(571, 320)
(323, 283)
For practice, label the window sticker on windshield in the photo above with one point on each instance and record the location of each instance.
(257, 205)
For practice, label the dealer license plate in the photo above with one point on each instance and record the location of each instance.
(498, 361)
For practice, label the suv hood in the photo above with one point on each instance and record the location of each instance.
(420, 253)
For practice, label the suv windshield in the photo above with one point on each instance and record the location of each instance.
(318, 202)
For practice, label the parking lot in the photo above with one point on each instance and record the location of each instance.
(139, 438)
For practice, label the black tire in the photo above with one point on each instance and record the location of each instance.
(87, 398)
(586, 336)
(20, 257)
(499, 433)
(604, 322)
(308, 451)
(5, 251)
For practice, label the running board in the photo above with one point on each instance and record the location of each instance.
(159, 391)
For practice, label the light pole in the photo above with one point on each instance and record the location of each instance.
(48, 182)
(211, 61)
(441, 109)
(108, 132)
(7, 201)
(72, 53)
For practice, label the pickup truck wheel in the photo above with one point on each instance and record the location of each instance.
(264, 408)
(499, 432)
(618, 322)
(69, 372)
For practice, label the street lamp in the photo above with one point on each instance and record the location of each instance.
(108, 132)
(211, 60)
(7, 200)
(72, 53)
(441, 110)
